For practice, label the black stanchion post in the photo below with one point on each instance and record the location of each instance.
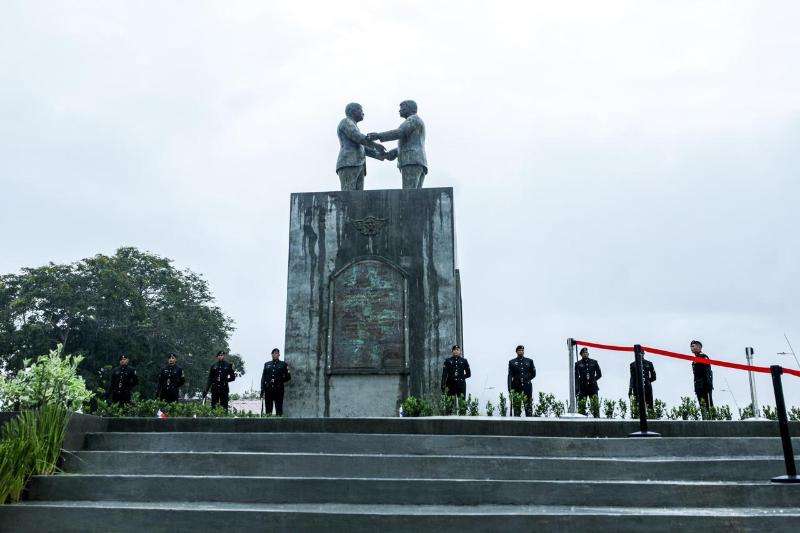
(783, 425)
(640, 401)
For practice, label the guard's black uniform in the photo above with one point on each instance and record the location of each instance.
(703, 382)
(220, 374)
(275, 374)
(170, 379)
(521, 372)
(649, 377)
(454, 375)
(123, 380)
(587, 372)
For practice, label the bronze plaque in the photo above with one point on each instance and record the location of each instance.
(368, 332)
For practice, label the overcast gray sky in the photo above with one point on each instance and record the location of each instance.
(624, 171)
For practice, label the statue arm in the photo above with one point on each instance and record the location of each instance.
(375, 152)
(392, 135)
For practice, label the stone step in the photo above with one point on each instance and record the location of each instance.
(158, 488)
(456, 426)
(436, 444)
(418, 466)
(171, 516)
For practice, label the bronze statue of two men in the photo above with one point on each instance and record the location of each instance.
(355, 146)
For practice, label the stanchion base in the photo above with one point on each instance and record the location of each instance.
(786, 479)
(644, 434)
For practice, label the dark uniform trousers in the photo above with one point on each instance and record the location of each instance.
(274, 398)
(527, 391)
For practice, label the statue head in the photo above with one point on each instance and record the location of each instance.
(408, 108)
(354, 111)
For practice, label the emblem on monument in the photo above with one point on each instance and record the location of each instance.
(369, 226)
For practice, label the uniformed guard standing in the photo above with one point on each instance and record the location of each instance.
(123, 380)
(587, 372)
(703, 377)
(521, 372)
(275, 374)
(649, 378)
(455, 373)
(170, 379)
(219, 375)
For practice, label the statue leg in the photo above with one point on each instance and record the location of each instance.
(351, 178)
(412, 176)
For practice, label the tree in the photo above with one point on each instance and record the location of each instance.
(132, 302)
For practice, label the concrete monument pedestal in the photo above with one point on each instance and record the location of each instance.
(373, 299)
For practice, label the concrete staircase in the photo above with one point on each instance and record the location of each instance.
(413, 475)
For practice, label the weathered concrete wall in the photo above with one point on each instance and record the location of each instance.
(386, 255)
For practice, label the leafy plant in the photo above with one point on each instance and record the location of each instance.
(416, 407)
(794, 414)
(594, 405)
(658, 410)
(446, 405)
(503, 405)
(544, 405)
(472, 406)
(747, 412)
(558, 408)
(769, 412)
(517, 400)
(461, 405)
(52, 378)
(30, 444)
(623, 408)
(687, 410)
(489, 408)
(149, 408)
(609, 408)
(722, 412)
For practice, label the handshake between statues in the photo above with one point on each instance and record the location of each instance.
(379, 151)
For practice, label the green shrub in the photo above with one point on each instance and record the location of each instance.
(658, 411)
(516, 399)
(412, 407)
(609, 408)
(687, 410)
(747, 412)
(794, 414)
(446, 405)
(623, 408)
(769, 412)
(558, 408)
(503, 405)
(472, 406)
(461, 405)
(30, 445)
(149, 408)
(489, 408)
(544, 405)
(594, 405)
(582, 403)
(51, 378)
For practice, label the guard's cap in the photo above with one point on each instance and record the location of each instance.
(520, 347)
(455, 346)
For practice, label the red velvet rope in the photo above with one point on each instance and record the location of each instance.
(701, 360)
